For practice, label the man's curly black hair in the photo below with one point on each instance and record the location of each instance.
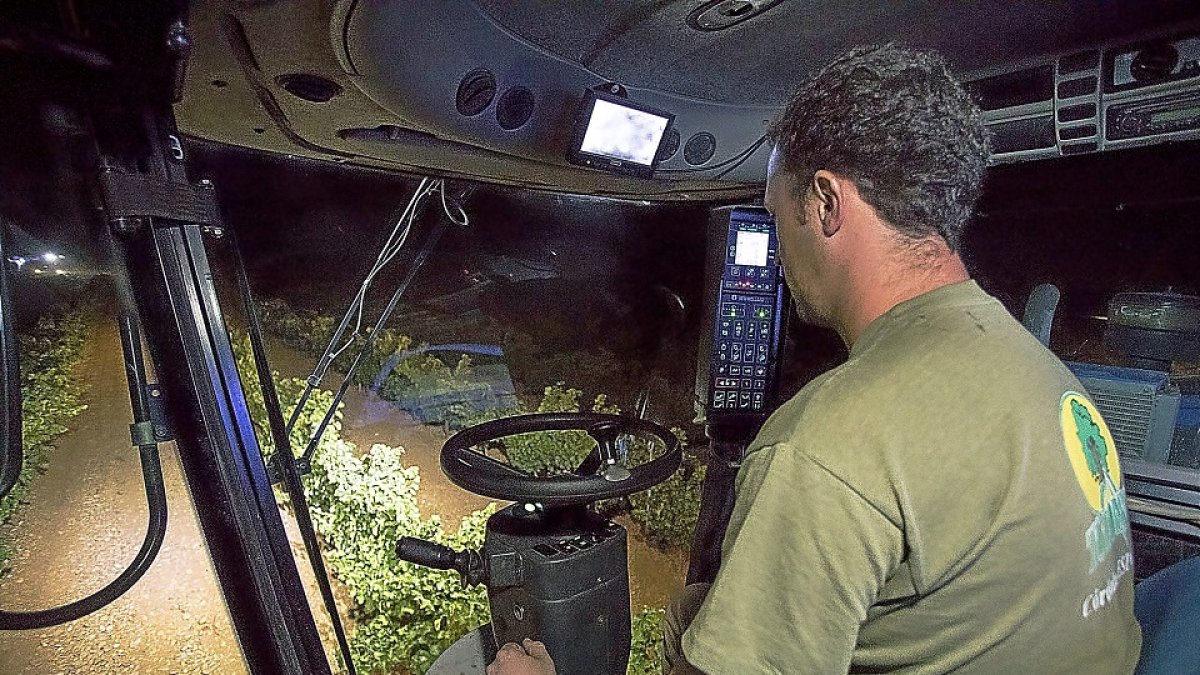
(901, 127)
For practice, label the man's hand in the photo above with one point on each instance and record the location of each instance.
(528, 658)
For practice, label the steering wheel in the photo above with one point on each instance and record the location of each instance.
(599, 477)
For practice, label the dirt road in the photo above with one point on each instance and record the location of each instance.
(85, 520)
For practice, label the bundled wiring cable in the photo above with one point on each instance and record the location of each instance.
(430, 242)
(340, 341)
(745, 156)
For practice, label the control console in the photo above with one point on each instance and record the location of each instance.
(751, 310)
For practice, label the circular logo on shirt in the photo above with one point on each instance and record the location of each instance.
(1091, 449)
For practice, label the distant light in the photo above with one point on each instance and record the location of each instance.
(60, 271)
(51, 257)
(18, 260)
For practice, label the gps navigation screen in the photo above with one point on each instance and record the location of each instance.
(752, 248)
(623, 133)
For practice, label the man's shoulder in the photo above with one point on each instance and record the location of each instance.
(803, 413)
(844, 393)
(935, 371)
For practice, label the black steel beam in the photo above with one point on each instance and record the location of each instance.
(173, 286)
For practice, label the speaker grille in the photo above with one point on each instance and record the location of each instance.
(514, 108)
(700, 148)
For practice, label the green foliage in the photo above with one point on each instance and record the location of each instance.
(407, 615)
(50, 396)
(544, 452)
(554, 452)
(310, 332)
(668, 512)
(361, 505)
(645, 653)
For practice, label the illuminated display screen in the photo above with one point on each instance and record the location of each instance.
(751, 248)
(623, 133)
(1175, 115)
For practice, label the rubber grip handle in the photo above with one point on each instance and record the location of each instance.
(426, 553)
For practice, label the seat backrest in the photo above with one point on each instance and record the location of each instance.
(1168, 607)
(1039, 311)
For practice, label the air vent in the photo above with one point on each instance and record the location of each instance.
(1080, 87)
(476, 92)
(700, 148)
(1022, 135)
(1076, 133)
(1140, 407)
(390, 133)
(1033, 85)
(1080, 148)
(1074, 113)
(311, 88)
(514, 108)
(670, 145)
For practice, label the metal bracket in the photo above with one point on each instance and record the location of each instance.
(158, 414)
(133, 196)
(142, 433)
(275, 473)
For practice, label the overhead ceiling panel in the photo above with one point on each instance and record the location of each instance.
(650, 44)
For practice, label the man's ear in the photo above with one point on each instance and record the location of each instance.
(828, 189)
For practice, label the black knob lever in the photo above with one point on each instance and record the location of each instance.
(429, 554)
(426, 553)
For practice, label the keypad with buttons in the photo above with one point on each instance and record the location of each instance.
(742, 352)
(746, 323)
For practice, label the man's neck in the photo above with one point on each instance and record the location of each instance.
(876, 290)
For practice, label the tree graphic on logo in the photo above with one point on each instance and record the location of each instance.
(1095, 450)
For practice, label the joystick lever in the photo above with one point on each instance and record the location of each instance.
(469, 564)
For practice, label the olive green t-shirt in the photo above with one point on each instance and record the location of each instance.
(945, 501)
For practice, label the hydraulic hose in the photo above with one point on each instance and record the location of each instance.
(156, 500)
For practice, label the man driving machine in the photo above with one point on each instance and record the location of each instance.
(947, 500)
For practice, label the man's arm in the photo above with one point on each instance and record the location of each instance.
(804, 558)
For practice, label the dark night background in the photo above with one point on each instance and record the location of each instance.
(1093, 225)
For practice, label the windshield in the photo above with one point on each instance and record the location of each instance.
(525, 302)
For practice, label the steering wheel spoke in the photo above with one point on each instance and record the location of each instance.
(473, 459)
